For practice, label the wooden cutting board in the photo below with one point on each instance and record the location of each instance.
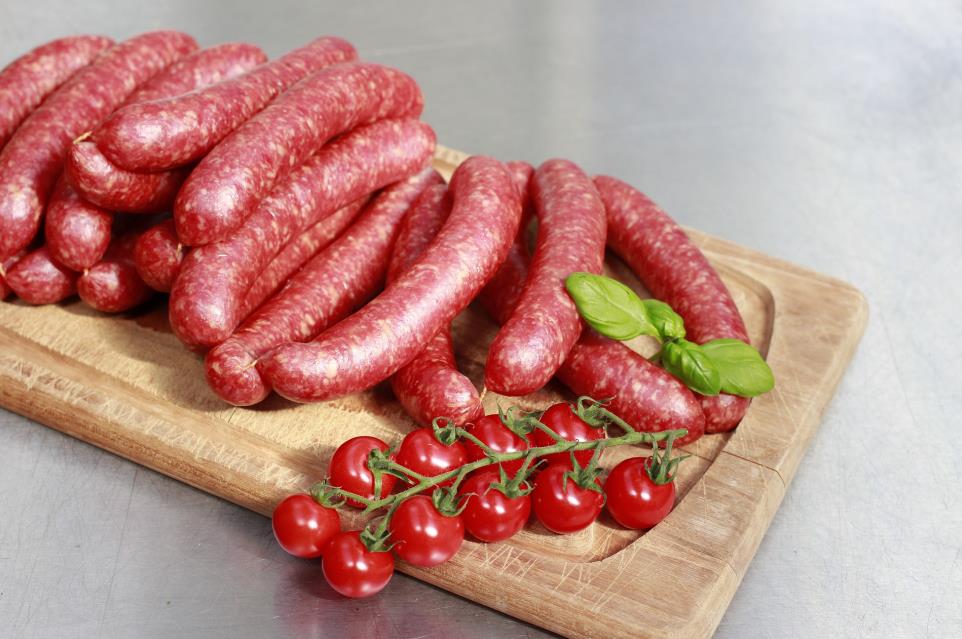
(127, 385)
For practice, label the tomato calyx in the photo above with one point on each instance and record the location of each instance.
(380, 463)
(519, 422)
(661, 467)
(445, 430)
(514, 487)
(447, 501)
(327, 495)
(584, 476)
(593, 411)
(376, 538)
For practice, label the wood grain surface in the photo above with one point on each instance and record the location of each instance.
(127, 385)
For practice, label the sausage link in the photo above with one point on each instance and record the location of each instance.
(641, 393)
(77, 232)
(372, 344)
(326, 289)
(545, 324)
(430, 385)
(165, 134)
(111, 187)
(112, 285)
(227, 185)
(509, 279)
(38, 279)
(207, 298)
(202, 69)
(32, 160)
(157, 256)
(25, 82)
(106, 185)
(5, 266)
(678, 273)
(297, 252)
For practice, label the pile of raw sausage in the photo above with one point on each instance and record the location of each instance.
(289, 209)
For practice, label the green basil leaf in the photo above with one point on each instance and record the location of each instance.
(668, 323)
(743, 371)
(609, 307)
(686, 361)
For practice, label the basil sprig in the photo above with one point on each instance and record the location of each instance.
(742, 369)
(610, 307)
(719, 366)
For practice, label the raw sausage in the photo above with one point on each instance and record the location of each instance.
(114, 189)
(326, 289)
(297, 252)
(509, 279)
(678, 273)
(77, 232)
(25, 82)
(207, 298)
(5, 266)
(641, 393)
(202, 69)
(371, 345)
(157, 256)
(545, 324)
(113, 285)
(107, 185)
(228, 184)
(430, 385)
(159, 253)
(165, 134)
(37, 279)
(33, 158)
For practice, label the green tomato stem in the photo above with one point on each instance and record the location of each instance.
(630, 437)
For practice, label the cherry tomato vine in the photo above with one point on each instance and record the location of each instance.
(484, 479)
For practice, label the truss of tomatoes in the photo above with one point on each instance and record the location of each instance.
(564, 490)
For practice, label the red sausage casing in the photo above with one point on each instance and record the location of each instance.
(112, 285)
(297, 252)
(32, 160)
(372, 344)
(111, 187)
(206, 301)
(326, 289)
(430, 385)
(202, 69)
(232, 179)
(157, 256)
(5, 266)
(678, 273)
(77, 232)
(25, 82)
(545, 324)
(165, 134)
(39, 279)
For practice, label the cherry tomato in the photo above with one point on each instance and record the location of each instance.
(562, 505)
(423, 453)
(493, 433)
(353, 570)
(303, 527)
(422, 536)
(562, 419)
(349, 469)
(634, 500)
(489, 515)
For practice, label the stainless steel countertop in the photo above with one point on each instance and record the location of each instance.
(828, 134)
